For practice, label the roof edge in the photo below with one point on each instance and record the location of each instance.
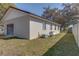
(28, 13)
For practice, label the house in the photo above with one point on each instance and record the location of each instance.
(1, 28)
(27, 25)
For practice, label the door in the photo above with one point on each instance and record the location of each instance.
(10, 29)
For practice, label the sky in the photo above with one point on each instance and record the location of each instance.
(37, 8)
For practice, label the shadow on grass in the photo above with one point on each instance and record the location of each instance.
(9, 38)
(65, 47)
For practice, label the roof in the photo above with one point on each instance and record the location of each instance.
(30, 14)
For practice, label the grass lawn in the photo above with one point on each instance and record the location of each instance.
(28, 47)
(65, 47)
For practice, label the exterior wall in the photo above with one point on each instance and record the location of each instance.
(26, 26)
(57, 30)
(12, 13)
(21, 26)
(47, 28)
(75, 30)
(36, 28)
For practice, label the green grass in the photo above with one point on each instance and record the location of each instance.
(65, 47)
(28, 47)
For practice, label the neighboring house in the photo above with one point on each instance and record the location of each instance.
(1, 30)
(27, 25)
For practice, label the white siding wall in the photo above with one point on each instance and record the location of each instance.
(21, 26)
(26, 26)
(36, 28)
(57, 30)
(47, 28)
(13, 13)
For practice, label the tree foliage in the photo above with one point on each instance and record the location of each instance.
(60, 16)
(69, 11)
(4, 7)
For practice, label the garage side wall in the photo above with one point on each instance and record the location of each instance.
(21, 26)
(37, 28)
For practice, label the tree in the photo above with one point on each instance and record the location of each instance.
(4, 7)
(50, 13)
(68, 12)
(54, 15)
(60, 16)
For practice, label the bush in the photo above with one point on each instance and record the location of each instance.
(51, 34)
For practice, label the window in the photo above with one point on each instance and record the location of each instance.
(44, 26)
(10, 29)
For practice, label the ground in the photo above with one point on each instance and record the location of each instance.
(61, 44)
(28, 47)
(65, 47)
